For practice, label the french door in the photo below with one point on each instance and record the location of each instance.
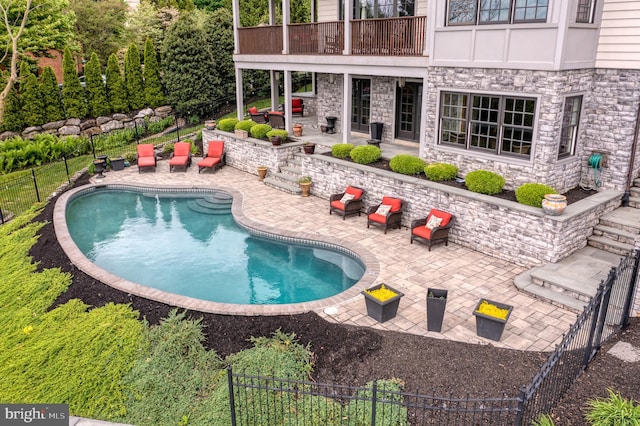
(360, 105)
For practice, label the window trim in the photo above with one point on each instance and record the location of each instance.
(476, 21)
(591, 15)
(576, 127)
(501, 125)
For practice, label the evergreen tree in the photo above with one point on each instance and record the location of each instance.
(13, 112)
(187, 62)
(96, 92)
(31, 100)
(219, 32)
(75, 105)
(51, 100)
(116, 92)
(152, 88)
(133, 77)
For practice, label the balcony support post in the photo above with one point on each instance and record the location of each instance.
(347, 88)
(239, 94)
(287, 101)
(348, 17)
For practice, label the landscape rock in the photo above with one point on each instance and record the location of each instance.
(87, 123)
(111, 125)
(6, 135)
(164, 111)
(101, 120)
(73, 122)
(69, 130)
(144, 113)
(32, 129)
(91, 131)
(120, 117)
(54, 125)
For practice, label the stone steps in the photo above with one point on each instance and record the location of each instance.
(218, 209)
(287, 178)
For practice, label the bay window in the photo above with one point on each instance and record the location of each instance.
(472, 12)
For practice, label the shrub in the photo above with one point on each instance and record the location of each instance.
(532, 194)
(245, 125)
(407, 164)
(168, 148)
(614, 410)
(365, 154)
(440, 171)
(484, 182)
(154, 127)
(278, 132)
(227, 124)
(130, 157)
(259, 131)
(342, 150)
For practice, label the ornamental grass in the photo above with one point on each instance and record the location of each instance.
(492, 310)
(382, 294)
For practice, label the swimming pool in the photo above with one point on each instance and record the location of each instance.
(210, 256)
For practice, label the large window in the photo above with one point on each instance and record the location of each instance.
(367, 9)
(500, 125)
(471, 12)
(570, 121)
(585, 11)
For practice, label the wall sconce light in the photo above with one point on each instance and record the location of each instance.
(332, 78)
(401, 82)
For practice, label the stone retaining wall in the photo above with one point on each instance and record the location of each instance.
(504, 229)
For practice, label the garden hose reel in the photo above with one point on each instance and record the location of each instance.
(596, 161)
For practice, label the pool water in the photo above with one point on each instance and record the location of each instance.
(172, 243)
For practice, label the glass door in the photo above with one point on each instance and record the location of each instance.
(409, 100)
(361, 105)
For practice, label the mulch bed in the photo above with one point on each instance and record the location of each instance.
(355, 355)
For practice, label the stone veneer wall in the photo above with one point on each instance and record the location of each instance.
(383, 101)
(520, 234)
(329, 100)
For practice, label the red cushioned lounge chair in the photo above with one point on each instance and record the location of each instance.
(387, 214)
(146, 158)
(297, 106)
(214, 158)
(347, 203)
(433, 229)
(181, 156)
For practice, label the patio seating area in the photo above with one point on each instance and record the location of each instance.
(466, 274)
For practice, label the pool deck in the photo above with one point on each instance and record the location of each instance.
(468, 275)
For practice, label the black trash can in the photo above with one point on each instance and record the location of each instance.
(376, 130)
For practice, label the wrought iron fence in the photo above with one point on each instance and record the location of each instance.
(264, 400)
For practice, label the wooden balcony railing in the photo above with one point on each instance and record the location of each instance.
(319, 38)
(374, 37)
(389, 36)
(260, 40)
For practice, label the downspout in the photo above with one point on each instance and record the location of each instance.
(627, 188)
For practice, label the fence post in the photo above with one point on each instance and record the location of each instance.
(521, 400)
(1, 217)
(177, 120)
(374, 397)
(35, 184)
(626, 311)
(135, 125)
(232, 404)
(594, 324)
(66, 167)
(93, 147)
(604, 307)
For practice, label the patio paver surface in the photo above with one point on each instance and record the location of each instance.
(468, 275)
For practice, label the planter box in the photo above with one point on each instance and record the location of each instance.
(382, 311)
(436, 305)
(242, 134)
(491, 327)
(117, 163)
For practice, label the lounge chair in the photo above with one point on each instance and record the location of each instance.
(276, 120)
(434, 228)
(347, 203)
(297, 106)
(387, 214)
(215, 157)
(181, 156)
(146, 157)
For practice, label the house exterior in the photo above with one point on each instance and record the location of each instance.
(536, 90)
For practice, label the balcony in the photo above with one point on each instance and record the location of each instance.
(369, 37)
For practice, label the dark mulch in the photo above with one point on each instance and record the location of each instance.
(354, 355)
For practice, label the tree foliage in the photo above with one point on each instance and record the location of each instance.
(211, 5)
(31, 102)
(13, 112)
(146, 22)
(133, 77)
(51, 100)
(219, 32)
(187, 64)
(153, 94)
(185, 5)
(75, 105)
(95, 89)
(116, 91)
(100, 26)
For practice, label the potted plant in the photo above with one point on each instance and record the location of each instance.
(305, 185)
(436, 305)
(309, 147)
(262, 172)
(276, 140)
(210, 124)
(297, 129)
(382, 302)
(491, 318)
(117, 163)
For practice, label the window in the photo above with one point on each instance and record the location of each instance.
(585, 11)
(500, 125)
(366, 9)
(570, 121)
(471, 12)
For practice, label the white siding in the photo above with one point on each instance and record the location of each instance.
(327, 10)
(619, 41)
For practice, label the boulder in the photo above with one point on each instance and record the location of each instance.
(164, 111)
(129, 124)
(111, 125)
(54, 125)
(144, 113)
(101, 120)
(6, 135)
(87, 123)
(91, 131)
(120, 117)
(69, 130)
(32, 129)
(73, 122)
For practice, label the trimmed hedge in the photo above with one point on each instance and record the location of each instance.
(259, 131)
(227, 124)
(245, 125)
(365, 154)
(284, 135)
(532, 194)
(342, 150)
(484, 182)
(407, 164)
(438, 172)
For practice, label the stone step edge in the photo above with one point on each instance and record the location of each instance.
(629, 237)
(204, 210)
(203, 202)
(286, 177)
(292, 189)
(523, 282)
(608, 244)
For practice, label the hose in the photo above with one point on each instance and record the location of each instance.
(595, 161)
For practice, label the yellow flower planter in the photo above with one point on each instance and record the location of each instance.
(382, 302)
(491, 318)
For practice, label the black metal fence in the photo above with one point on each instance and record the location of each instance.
(264, 400)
